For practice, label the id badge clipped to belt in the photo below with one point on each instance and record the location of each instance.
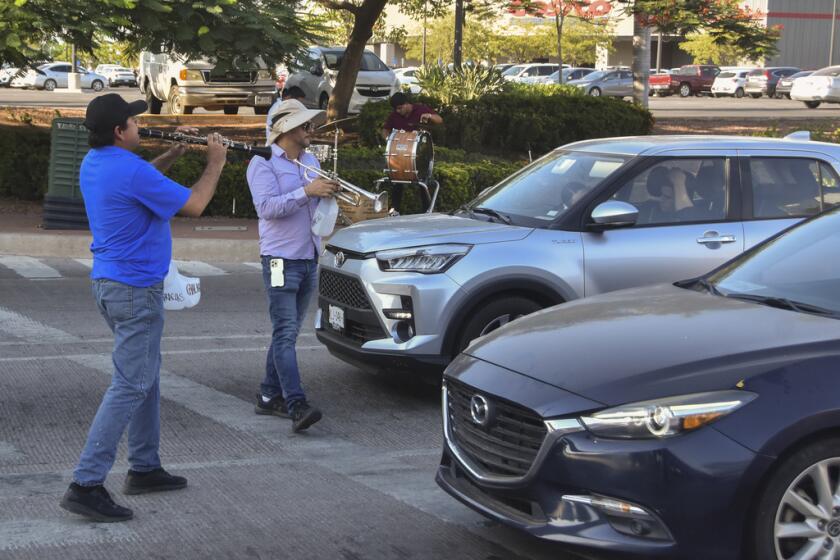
(277, 277)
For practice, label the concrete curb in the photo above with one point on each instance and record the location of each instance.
(77, 246)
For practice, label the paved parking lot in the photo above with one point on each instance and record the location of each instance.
(358, 485)
(662, 107)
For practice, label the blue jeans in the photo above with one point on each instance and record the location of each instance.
(135, 316)
(287, 308)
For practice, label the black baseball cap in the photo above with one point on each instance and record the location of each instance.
(110, 110)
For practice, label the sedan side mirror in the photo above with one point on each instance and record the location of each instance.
(615, 213)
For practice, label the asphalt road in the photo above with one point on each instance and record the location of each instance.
(357, 485)
(662, 107)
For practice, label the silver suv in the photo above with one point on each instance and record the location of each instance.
(410, 292)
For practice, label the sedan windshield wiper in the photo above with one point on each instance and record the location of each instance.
(490, 212)
(784, 303)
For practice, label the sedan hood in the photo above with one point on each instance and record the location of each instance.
(646, 343)
(423, 229)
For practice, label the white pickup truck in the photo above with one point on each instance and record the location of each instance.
(187, 84)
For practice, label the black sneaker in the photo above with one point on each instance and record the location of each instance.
(157, 480)
(95, 503)
(276, 406)
(303, 416)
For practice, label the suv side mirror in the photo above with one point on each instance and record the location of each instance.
(615, 213)
(316, 70)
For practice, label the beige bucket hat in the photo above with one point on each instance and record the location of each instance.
(291, 114)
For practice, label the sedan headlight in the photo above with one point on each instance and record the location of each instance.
(431, 259)
(191, 75)
(665, 417)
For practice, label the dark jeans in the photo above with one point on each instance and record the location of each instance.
(287, 308)
(397, 192)
(135, 316)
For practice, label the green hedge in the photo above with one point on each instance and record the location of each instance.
(24, 164)
(524, 119)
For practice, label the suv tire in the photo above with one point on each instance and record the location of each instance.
(685, 89)
(493, 314)
(812, 104)
(739, 93)
(798, 474)
(176, 107)
(153, 102)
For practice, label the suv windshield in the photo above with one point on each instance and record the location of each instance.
(549, 187)
(795, 271)
(370, 62)
(513, 70)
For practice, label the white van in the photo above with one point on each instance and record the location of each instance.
(375, 81)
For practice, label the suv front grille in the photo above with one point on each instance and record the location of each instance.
(230, 77)
(510, 442)
(342, 289)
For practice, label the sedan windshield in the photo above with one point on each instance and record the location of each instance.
(548, 188)
(593, 76)
(370, 62)
(797, 270)
(513, 70)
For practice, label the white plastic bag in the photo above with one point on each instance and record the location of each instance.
(323, 222)
(180, 292)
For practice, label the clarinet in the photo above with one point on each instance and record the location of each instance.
(263, 151)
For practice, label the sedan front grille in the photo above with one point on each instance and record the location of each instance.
(373, 92)
(342, 289)
(507, 446)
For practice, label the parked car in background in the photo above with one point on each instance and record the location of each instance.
(823, 86)
(374, 82)
(186, 84)
(55, 75)
(518, 72)
(596, 216)
(6, 75)
(407, 79)
(786, 84)
(763, 81)
(696, 420)
(500, 68)
(119, 76)
(569, 74)
(611, 83)
(730, 83)
(692, 79)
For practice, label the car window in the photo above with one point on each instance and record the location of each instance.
(679, 190)
(409, 74)
(546, 70)
(513, 70)
(626, 76)
(62, 68)
(726, 75)
(785, 187)
(545, 190)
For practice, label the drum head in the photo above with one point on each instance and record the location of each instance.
(424, 157)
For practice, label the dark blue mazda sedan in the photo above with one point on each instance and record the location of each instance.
(695, 420)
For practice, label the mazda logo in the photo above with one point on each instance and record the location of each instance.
(480, 410)
(339, 259)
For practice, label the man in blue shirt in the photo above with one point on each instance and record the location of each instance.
(129, 203)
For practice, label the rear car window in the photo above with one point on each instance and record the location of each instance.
(792, 187)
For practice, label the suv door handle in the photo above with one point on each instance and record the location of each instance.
(712, 237)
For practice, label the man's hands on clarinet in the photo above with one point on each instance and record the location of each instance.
(216, 149)
(323, 188)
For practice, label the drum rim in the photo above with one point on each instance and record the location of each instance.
(414, 171)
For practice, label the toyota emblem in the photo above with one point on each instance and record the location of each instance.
(339, 259)
(480, 410)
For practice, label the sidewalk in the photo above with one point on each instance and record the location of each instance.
(193, 239)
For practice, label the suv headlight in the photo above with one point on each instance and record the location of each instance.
(431, 259)
(191, 75)
(665, 417)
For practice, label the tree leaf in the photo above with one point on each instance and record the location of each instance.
(203, 30)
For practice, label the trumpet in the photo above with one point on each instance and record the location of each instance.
(350, 193)
(263, 151)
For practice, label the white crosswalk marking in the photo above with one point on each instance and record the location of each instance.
(22, 327)
(88, 263)
(254, 265)
(29, 267)
(198, 268)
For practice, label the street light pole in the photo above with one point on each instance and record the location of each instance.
(833, 24)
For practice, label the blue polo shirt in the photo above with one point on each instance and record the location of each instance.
(129, 204)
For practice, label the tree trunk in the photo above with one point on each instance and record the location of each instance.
(558, 24)
(641, 62)
(364, 20)
(459, 33)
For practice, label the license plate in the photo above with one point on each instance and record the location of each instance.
(336, 318)
(263, 99)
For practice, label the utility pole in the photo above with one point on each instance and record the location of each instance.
(833, 24)
(659, 51)
(424, 33)
(459, 32)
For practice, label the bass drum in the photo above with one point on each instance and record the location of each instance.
(410, 156)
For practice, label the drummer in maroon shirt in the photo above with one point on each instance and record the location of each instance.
(407, 115)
